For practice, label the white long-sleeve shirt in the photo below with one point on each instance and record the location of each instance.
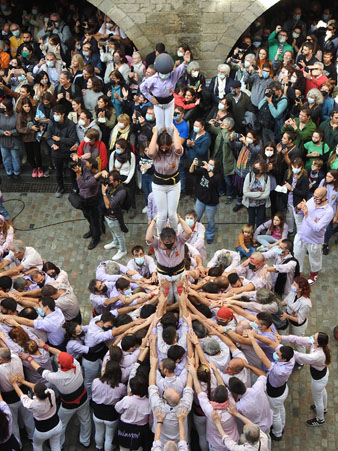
(126, 169)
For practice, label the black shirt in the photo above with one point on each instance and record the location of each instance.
(207, 187)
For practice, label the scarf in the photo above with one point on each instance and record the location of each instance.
(118, 133)
(243, 158)
(220, 405)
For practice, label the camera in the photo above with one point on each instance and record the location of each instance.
(217, 124)
(74, 164)
(237, 135)
(234, 60)
(299, 98)
(269, 93)
(104, 181)
(50, 24)
(200, 164)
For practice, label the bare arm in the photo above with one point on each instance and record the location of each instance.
(152, 150)
(150, 231)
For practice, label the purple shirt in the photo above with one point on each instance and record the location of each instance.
(146, 269)
(313, 228)
(167, 163)
(176, 255)
(155, 86)
(279, 372)
(197, 238)
(332, 195)
(151, 208)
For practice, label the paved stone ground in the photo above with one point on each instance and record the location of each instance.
(63, 245)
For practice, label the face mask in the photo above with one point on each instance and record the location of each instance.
(177, 117)
(312, 340)
(179, 53)
(57, 118)
(16, 33)
(279, 252)
(117, 59)
(296, 17)
(168, 245)
(197, 129)
(50, 63)
(296, 170)
(120, 125)
(164, 76)
(119, 151)
(82, 334)
(265, 74)
(251, 266)
(52, 274)
(295, 35)
(139, 260)
(21, 77)
(194, 73)
(40, 312)
(210, 168)
(86, 139)
(269, 153)
(101, 119)
(310, 100)
(221, 76)
(293, 79)
(319, 201)
(81, 122)
(190, 222)
(282, 39)
(256, 44)
(221, 106)
(109, 25)
(254, 325)
(255, 170)
(293, 289)
(149, 117)
(127, 292)
(56, 24)
(78, 47)
(104, 289)
(85, 53)
(246, 63)
(233, 92)
(325, 17)
(44, 82)
(324, 93)
(275, 356)
(34, 12)
(105, 328)
(25, 54)
(249, 140)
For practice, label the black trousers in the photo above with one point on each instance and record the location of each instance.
(60, 163)
(90, 210)
(33, 154)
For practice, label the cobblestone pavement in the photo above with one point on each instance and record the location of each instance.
(63, 244)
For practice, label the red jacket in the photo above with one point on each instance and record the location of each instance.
(315, 83)
(180, 101)
(103, 157)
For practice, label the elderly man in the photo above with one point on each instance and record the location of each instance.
(253, 270)
(227, 260)
(56, 25)
(24, 258)
(318, 213)
(315, 78)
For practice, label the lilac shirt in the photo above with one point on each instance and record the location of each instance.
(313, 228)
(151, 207)
(254, 277)
(288, 268)
(176, 253)
(103, 393)
(332, 195)
(167, 163)
(279, 372)
(197, 238)
(315, 358)
(52, 325)
(146, 269)
(134, 410)
(155, 86)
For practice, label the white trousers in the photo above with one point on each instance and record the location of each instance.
(292, 219)
(90, 372)
(172, 295)
(164, 115)
(314, 251)
(319, 395)
(54, 437)
(27, 417)
(104, 433)
(300, 332)
(83, 413)
(166, 199)
(201, 428)
(278, 412)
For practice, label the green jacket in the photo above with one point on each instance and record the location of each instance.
(273, 47)
(222, 150)
(330, 135)
(304, 135)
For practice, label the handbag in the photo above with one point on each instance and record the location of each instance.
(76, 200)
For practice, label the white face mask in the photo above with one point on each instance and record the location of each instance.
(81, 122)
(295, 35)
(246, 63)
(86, 139)
(268, 153)
(249, 140)
(120, 124)
(194, 73)
(221, 106)
(293, 79)
(282, 39)
(179, 53)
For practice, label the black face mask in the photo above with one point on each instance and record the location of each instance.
(52, 274)
(324, 93)
(168, 245)
(82, 334)
(104, 289)
(251, 266)
(330, 183)
(255, 170)
(41, 284)
(106, 328)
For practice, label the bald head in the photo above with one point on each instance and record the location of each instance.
(258, 256)
(320, 196)
(242, 326)
(171, 396)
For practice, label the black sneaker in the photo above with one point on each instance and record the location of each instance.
(315, 422)
(325, 249)
(228, 199)
(59, 192)
(313, 407)
(275, 438)
(237, 207)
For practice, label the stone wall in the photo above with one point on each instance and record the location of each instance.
(211, 28)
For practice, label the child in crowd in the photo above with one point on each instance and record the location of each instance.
(275, 229)
(245, 241)
(316, 175)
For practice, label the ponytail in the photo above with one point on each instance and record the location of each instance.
(42, 392)
(323, 342)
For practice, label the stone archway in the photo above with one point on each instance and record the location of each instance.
(210, 27)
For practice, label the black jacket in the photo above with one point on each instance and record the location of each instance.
(301, 190)
(68, 137)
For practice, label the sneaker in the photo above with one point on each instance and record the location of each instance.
(237, 207)
(145, 209)
(40, 173)
(275, 438)
(59, 192)
(325, 249)
(313, 407)
(315, 422)
(35, 172)
(110, 245)
(228, 199)
(261, 248)
(313, 278)
(47, 173)
(119, 255)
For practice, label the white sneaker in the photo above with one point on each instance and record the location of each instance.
(145, 210)
(110, 245)
(119, 255)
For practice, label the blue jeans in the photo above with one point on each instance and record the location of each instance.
(11, 161)
(3, 211)
(265, 240)
(211, 213)
(228, 185)
(181, 171)
(118, 235)
(244, 253)
(146, 186)
(329, 232)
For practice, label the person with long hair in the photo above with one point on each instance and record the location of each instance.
(56, 273)
(298, 308)
(7, 438)
(93, 93)
(331, 184)
(10, 140)
(28, 129)
(115, 89)
(107, 390)
(6, 235)
(319, 359)
(105, 116)
(43, 406)
(275, 229)
(42, 85)
(78, 108)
